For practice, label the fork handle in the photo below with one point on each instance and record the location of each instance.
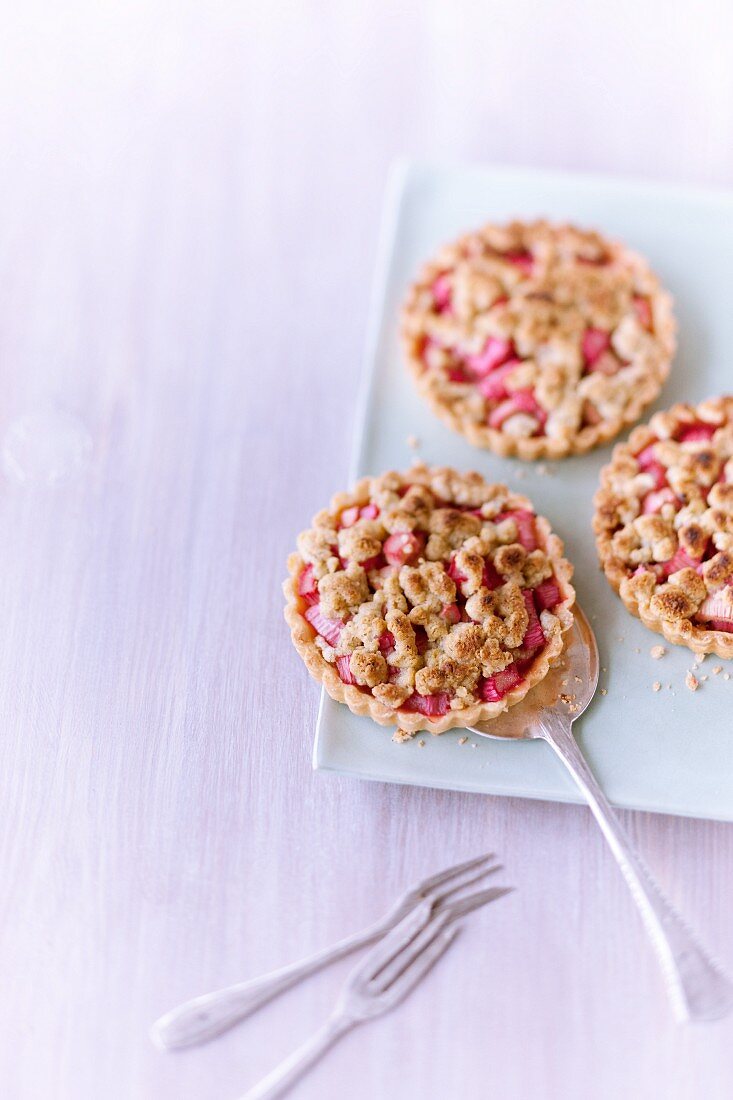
(699, 989)
(284, 1076)
(205, 1017)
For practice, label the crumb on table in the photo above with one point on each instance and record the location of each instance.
(462, 740)
(691, 681)
(717, 670)
(657, 651)
(656, 686)
(413, 442)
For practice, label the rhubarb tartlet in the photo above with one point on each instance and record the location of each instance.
(538, 340)
(429, 599)
(664, 524)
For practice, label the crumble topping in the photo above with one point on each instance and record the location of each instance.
(431, 591)
(664, 524)
(538, 339)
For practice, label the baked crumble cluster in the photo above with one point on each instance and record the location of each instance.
(428, 599)
(538, 340)
(664, 524)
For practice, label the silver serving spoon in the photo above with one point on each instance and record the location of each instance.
(698, 987)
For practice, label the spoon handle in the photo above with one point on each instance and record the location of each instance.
(699, 989)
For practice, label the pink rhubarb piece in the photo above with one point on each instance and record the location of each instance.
(716, 612)
(643, 311)
(595, 342)
(697, 433)
(655, 568)
(377, 562)
(680, 560)
(547, 594)
(650, 465)
(525, 526)
(591, 414)
(521, 401)
(490, 578)
(349, 516)
(343, 664)
(455, 573)
(330, 629)
(386, 642)
(495, 352)
(493, 386)
(523, 259)
(652, 502)
(451, 613)
(442, 293)
(494, 688)
(433, 706)
(607, 363)
(404, 547)
(647, 457)
(457, 374)
(534, 636)
(726, 625)
(307, 587)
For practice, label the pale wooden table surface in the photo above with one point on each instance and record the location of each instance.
(190, 197)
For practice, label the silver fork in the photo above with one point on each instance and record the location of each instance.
(380, 981)
(207, 1016)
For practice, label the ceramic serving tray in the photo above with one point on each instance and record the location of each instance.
(669, 751)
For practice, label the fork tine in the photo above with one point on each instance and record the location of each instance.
(461, 906)
(402, 959)
(419, 967)
(429, 884)
(465, 880)
(401, 935)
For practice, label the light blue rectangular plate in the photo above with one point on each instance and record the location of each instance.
(671, 751)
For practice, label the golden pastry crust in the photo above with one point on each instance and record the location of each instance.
(428, 599)
(538, 340)
(664, 524)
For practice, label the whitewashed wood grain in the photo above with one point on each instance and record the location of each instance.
(189, 197)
